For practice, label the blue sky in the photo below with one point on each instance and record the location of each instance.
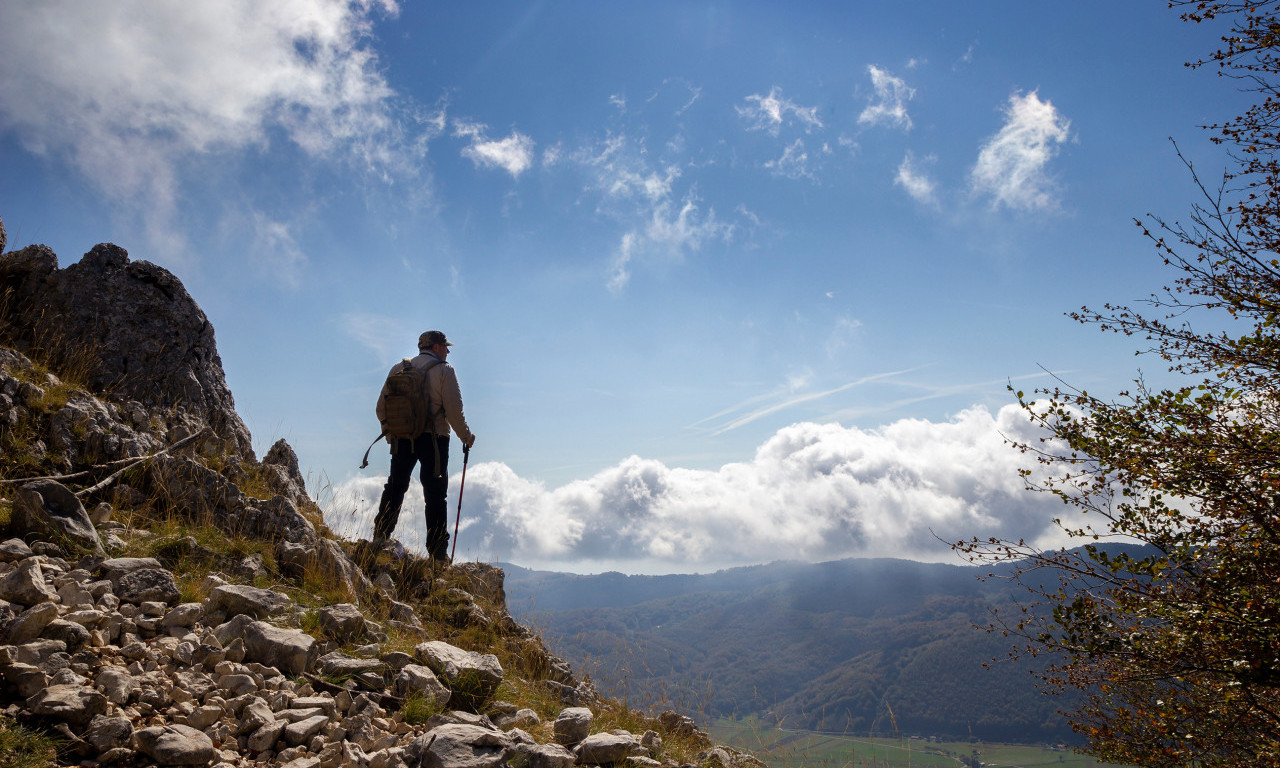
(729, 282)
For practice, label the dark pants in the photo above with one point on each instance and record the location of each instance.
(435, 485)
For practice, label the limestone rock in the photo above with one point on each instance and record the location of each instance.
(302, 731)
(26, 585)
(237, 599)
(289, 650)
(107, 733)
(48, 509)
(283, 474)
(31, 622)
(473, 677)
(342, 622)
(572, 725)
(148, 585)
(544, 756)
(149, 340)
(459, 746)
(114, 568)
(417, 679)
(174, 745)
(605, 748)
(73, 704)
(13, 550)
(24, 680)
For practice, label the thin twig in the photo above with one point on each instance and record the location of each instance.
(109, 479)
(72, 476)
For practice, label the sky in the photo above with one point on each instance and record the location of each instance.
(728, 282)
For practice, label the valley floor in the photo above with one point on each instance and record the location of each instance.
(789, 748)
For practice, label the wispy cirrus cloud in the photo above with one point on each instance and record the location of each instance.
(659, 218)
(916, 182)
(793, 163)
(889, 105)
(124, 92)
(769, 113)
(794, 392)
(1012, 166)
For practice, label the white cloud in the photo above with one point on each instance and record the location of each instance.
(917, 183)
(811, 492)
(514, 154)
(890, 104)
(769, 113)
(1012, 165)
(657, 220)
(794, 162)
(128, 92)
(671, 230)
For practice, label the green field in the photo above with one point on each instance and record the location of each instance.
(785, 748)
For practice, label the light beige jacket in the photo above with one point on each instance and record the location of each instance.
(446, 397)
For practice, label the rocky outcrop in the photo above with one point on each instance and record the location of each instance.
(158, 680)
(131, 325)
(196, 652)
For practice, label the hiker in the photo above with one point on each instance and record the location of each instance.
(430, 449)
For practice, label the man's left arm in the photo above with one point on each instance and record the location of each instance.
(452, 401)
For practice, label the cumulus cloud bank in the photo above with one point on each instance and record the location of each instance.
(1012, 165)
(811, 492)
(125, 91)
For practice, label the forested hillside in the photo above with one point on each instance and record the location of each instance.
(860, 646)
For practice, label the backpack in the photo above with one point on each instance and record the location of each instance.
(404, 403)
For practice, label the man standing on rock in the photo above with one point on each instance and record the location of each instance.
(431, 449)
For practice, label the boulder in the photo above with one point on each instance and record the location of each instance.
(605, 748)
(25, 585)
(13, 550)
(49, 510)
(283, 473)
(113, 568)
(417, 679)
(339, 665)
(572, 725)
(302, 731)
(174, 745)
(459, 746)
(289, 650)
(107, 733)
(235, 599)
(544, 756)
(343, 622)
(116, 684)
(31, 622)
(72, 704)
(473, 677)
(148, 585)
(23, 680)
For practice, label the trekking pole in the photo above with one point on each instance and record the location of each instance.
(466, 454)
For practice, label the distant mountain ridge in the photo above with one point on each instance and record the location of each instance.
(859, 645)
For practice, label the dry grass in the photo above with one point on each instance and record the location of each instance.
(21, 747)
